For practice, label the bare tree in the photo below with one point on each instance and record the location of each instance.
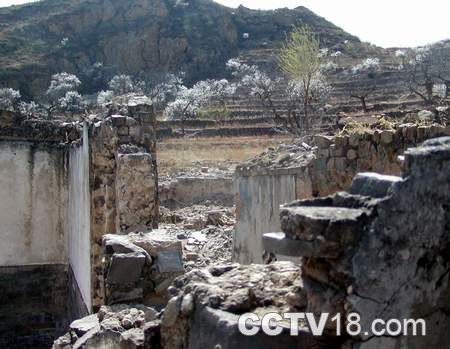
(364, 80)
(425, 68)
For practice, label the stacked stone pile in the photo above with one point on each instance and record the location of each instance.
(139, 267)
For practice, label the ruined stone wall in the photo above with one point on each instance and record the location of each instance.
(380, 250)
(301, 171)
(103, 145)
(61, 191)
(34, 284)
(123, 183)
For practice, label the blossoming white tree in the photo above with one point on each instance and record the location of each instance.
(31, 109)
(61, 84)
(72, 103)
(189, 101)
(121, 85)
(303, 82)
(257, 84)
(9, 99)
(426, 69)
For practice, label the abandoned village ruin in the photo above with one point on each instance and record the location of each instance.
(162, 187)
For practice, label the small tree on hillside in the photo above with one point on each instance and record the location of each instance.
(364, 80)
(257, 84)
(60, 85)
(302, 61)
(72, 103)
(9, 99)
(190, 101)
(319, 91)
(121, 85)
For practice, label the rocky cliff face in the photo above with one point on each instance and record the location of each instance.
(137, 37)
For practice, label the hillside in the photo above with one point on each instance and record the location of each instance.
(138, 37)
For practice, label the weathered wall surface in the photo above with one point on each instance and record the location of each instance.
(135, 190)
(328, 167)
(187, 191)
(32, 204)
(78, 220)
(258, 212)
(33, 305)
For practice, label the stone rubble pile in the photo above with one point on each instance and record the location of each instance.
(198, 216)
(119, 326)
(140, 266)
(206, 305)
(206, 233)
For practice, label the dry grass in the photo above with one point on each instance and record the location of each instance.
(361, 127)
(179, 154)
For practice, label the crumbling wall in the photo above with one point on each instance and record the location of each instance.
(381, 250)
(135, 190)
(324, 168)
(33, 253)
(123, 180)
(60, 192)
